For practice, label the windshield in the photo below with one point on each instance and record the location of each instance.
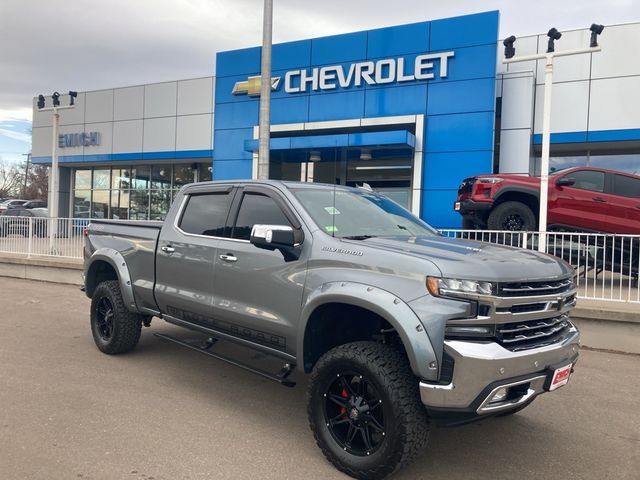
(359, 214)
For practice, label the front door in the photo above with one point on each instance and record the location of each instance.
(258, 292)
(581, 205)
(185, 262)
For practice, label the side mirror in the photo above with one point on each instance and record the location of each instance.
(272, 236)
(565, 182)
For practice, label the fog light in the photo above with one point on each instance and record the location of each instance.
(499, 396)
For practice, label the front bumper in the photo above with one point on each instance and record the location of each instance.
(467, 206)
(482, 368)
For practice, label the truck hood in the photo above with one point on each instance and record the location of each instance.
(467, 259)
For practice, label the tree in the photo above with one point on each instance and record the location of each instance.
(11, 179)
(37, 183)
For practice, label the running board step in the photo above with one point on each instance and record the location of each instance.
(280, 377)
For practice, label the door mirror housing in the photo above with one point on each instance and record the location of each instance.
(272, 237)
(566, 182)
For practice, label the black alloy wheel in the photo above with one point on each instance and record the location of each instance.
(104, 318)
(354, 414)
(514, 223)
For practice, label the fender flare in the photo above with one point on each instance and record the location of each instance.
(517, 189)
(115, 259)
(396, 312)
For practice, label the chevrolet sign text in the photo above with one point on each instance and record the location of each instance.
(371, 72)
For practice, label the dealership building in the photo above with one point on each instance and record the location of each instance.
(410, 110)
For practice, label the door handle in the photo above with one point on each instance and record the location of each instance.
(229, 257)
(168, 249)
(599, 199)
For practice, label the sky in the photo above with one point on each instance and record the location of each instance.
(63, 45)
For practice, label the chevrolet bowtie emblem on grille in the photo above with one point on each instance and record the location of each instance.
(251, 86)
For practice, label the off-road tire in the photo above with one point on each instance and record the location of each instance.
(406, 424)
(499, 218)
(126, 325)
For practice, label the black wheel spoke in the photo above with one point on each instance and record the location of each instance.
(347, 386)
(373, 422)
(337, 399)
(339, 419)
(351, 434)
(366, 437)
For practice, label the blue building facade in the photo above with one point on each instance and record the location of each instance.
(415, 101)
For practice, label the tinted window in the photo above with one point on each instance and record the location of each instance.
(257, 209)
(588, 180)
(626, 186)
(206, 214)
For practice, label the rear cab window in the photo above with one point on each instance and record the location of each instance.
(206, 214)
(626, 186)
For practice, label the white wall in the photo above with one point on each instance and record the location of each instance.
(157, 117)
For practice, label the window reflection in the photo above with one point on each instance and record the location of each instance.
(138, 192)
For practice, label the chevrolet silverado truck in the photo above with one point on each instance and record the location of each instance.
(399, 327)
(580, 199)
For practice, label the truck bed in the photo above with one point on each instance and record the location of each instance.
(137, 242)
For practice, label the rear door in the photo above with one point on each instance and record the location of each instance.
(582, 205)
(258, 292)
(185, 259)
(624, 204)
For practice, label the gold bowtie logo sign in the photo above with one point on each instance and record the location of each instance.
(251, 86)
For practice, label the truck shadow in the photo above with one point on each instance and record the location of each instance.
(486, 449)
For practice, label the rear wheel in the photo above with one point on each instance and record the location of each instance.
(115, 329)
(512, 216)
(365, 411)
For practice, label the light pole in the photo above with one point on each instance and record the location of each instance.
(53, 174)
(549, 56)
(26, 173)
(264, 129)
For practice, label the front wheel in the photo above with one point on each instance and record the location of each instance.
(512, 216)
(115, 329)
(365, 411)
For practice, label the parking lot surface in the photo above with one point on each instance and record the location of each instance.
(68, 411)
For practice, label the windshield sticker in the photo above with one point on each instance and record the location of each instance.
(331, 228)
(332, 210)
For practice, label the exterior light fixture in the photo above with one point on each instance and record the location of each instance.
(40, 102)
(553, 35)
(314, 156)
(365, 155)
(56, 99)
(72, 97)
(595, 31)
(509, 49)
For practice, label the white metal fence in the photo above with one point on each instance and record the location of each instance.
(607, 265)
(40, 236)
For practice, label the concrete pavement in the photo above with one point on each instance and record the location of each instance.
(163, 412)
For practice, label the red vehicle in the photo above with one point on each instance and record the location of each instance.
(580, 199)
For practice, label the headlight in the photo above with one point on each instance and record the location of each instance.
(489, 180)
(470, 331)
(439, 287)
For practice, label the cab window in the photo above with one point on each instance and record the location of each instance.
(626, 186)
(255, 209)
(588, 180)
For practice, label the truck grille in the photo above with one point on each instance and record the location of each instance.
(528, 289)
(517, 336)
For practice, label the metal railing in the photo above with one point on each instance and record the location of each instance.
(42, 237)
(607, 266)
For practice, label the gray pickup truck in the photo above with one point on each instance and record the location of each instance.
(399, 327)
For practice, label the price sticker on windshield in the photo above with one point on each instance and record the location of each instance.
(332, 210)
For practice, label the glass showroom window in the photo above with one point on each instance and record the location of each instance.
(139, 192)
(623, 161)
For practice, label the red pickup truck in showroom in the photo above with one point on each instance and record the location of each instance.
(581, 199)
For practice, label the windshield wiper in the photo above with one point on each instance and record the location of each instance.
(358, 237)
